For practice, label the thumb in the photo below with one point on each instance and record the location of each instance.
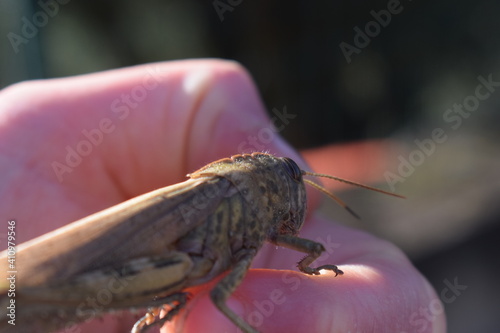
(229, 117)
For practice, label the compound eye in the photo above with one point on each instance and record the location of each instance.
(292, 169)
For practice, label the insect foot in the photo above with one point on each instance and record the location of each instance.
(149, 319)
(315, 271)
(313, 250)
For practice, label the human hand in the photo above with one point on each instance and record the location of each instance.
(70, 147)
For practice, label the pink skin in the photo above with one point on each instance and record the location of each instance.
(180, 116)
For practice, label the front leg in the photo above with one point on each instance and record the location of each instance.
(313, 250)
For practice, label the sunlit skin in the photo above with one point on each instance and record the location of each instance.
(193, 112)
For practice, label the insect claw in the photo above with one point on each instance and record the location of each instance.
(150, 319)
(331, 268)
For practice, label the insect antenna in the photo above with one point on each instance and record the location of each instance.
(335, 198)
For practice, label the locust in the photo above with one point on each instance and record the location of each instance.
(145, 252)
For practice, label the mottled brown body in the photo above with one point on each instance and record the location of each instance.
(162, 242)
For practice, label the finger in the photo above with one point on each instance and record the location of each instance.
(364, 161)
(230, 119)
(148, 122)
(113, 135)
(97, 113)
(277, 301)
(380, 291)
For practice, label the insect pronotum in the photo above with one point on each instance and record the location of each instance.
(144, 253)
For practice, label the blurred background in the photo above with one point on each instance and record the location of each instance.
(383, 92)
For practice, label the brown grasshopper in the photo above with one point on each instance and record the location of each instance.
(143, 253)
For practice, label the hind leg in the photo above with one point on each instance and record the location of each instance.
(150, 319)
